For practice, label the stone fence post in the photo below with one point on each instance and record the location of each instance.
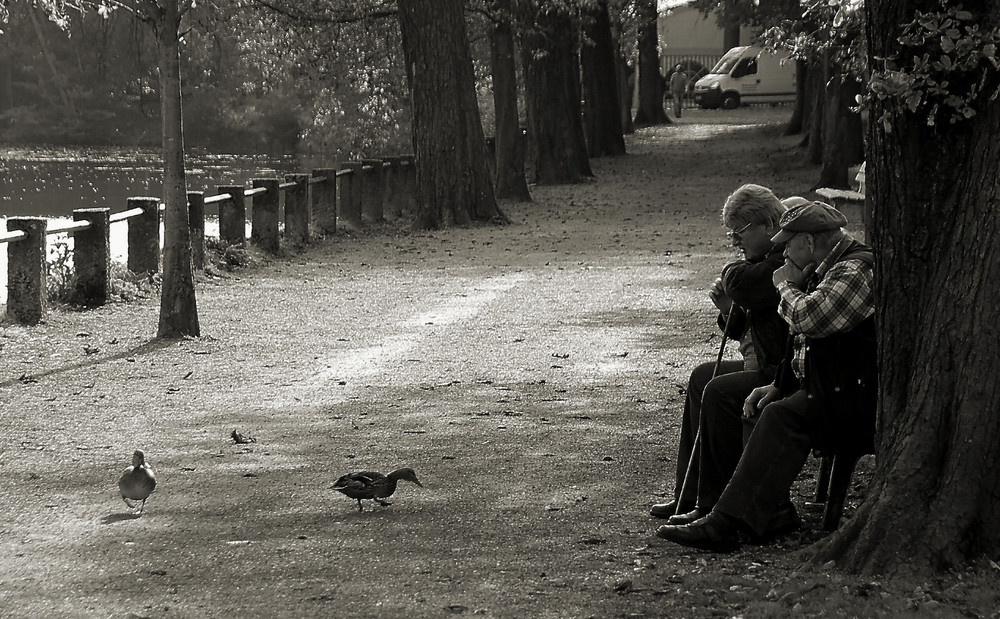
(324, 200)
(92, 255)
(373, 194)
(233, 215)
(144, 236)
(196, 226)
(349, 181)
(297, 209)
(264, 214)
(26, 292)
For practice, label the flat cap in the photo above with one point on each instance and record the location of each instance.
(809, 217)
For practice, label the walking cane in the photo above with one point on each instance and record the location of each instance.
(697, 435)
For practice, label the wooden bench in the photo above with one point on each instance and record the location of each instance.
(832, 485)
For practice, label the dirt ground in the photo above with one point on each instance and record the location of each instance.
(532, 375)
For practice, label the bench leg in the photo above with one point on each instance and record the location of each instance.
(823, 480)
(841, 471)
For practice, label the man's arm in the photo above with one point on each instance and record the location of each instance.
(841, 301)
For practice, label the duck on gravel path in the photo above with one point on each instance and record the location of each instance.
(138, 481)
(373, 485)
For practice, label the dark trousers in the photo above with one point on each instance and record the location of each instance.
(722, 432)
(772, 458)
(700, 378)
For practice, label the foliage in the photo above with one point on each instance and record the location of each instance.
(947, 66)
(226, 256)
(60, 283)
(830, 30)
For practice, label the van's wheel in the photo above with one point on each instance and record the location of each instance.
(730, 101)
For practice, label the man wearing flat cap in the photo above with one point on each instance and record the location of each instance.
(824, 393)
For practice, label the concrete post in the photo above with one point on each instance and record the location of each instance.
(26, 270)
(233, 216)
(92, 256)
(144, 236)
(264, 216)
(297, 210)
(324, 200)
(196, 226)
(393, 186)
(350, 193)
(373, 194)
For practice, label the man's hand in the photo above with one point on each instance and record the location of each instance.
(790, 272)
(719, 297)
(758, 399)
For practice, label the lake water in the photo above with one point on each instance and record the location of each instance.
(52, 182)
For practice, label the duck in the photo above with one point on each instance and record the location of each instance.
(373, 485)
(138, 481)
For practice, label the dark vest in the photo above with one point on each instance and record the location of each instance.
(841, 376)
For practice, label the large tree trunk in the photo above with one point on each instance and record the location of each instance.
(552, 86)
(816, 99)
(510, 179)
(178, 308)
(933, 502)
(798, 119)
(601, 106)
(650, 110)
(453, 178)
(843, 144)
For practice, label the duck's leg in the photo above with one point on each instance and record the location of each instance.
(360, 507)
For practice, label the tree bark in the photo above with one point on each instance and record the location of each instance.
(933, 502)
(797, 121)
(552, 86)
(453, 178)
(510, 179)
(602, 112)
(816, 95)
(843, 144)
(650, 110)
(178, 308)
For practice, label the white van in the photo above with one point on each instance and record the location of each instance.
(747, 74)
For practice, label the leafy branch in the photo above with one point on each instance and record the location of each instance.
(945, 69)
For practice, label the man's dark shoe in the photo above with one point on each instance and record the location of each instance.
(695, 514)
(666, 510)
(712, 533)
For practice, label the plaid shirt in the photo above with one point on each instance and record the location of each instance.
(838, 298)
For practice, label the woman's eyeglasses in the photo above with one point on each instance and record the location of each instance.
(736, 235)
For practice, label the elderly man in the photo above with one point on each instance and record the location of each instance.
(746, 297)
(825, 389)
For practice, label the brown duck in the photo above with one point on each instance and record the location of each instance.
(373, 485)
(138, 481)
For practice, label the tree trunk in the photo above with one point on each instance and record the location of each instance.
(797, 121)
(843, 144)
(552, 86)
(626, 93)
(510, 179)
(933, 502)
(178, 309)
(453, 178)
(601, 112)
(816, 94)
(650, 111)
